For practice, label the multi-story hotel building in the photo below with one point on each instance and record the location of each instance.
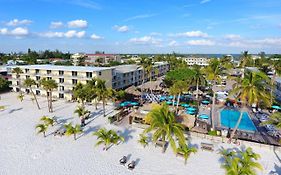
(67, 77)
(127, 75)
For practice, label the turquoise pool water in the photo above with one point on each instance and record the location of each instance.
(229, 119)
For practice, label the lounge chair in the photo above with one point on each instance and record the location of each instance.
(207, 146)
(131, 165)
(123, 160)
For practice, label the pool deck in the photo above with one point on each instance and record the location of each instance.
(259, 136)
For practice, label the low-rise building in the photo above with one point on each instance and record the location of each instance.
(93, 59)
(200, 61)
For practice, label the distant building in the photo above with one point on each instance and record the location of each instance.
(200, 61)
(94, 59)
(76, 58)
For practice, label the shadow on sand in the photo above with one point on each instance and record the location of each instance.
(126, 133)
(14, 110)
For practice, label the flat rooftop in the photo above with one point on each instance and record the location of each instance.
(64, 68)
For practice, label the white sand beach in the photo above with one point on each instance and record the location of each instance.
(22, 151)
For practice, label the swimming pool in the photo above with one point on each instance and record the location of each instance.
(229, 118)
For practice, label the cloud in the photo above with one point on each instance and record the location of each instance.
(201, 42)
(16, 22)
(96, 37)
(86, 3)
(191, 34)
(232, 37)
(140, 17)
(68, 34)
(173, 43)
(4, 31)
(146, 40)
(56, 24)
(77, 23)
(204, 1)
(121, 29)
(155, 34)
(17, 32)
(73, 33)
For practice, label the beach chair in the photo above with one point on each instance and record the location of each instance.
(207, 146)
(131, 165)
(123, 160)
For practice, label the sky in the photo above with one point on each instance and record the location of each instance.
(141, 26)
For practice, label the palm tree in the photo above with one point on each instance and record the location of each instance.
(251, 90)
(20, 97)
(104, 137)
(186, 151)
(145, 64)
(42, 129)
(240, 162)
(165, 126)
(49, 86)
(143, 140)
(91, 90)
(197, 79)
(29, 83)
(82, 112)
(103, 93)
(180, 87)
(72, 130)
(212, 73)
(174, 92)
(277, 68)
(116, 139)
(246, 60)
(274, 119)
(18, 71)
(47, 120)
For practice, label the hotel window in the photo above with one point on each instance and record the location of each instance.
(61, 80)
(99, 73)
(74, 73)
(89, 74)
(27, 76)
(61, 88)
(74, 81)
(61, 95)
(49, 78)
(61, 72)
(49, 71)
(36, 71)
(26, 70)
(37, 78)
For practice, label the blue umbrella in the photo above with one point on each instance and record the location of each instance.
(190, 112)
(171, 97)
(204, 116)
(134, 103)
(162, 98)
(276, 107)
(191, 109)
(205, 102)
(169, 102)
(185, 105)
